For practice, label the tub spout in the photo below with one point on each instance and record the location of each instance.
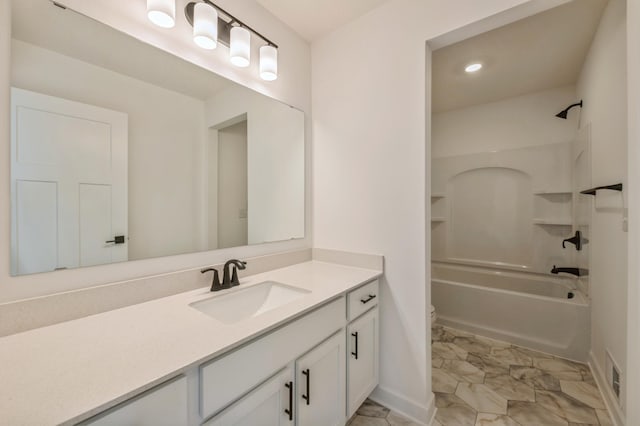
(578, 272)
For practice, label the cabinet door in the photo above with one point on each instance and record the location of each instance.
(362, 355)
(270, 404)
(320, 381)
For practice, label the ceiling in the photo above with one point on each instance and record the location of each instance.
(541, 52)
(313, 19)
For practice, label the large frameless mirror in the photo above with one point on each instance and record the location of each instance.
(121, 151)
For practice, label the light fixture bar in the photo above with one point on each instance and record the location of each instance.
(224, 27)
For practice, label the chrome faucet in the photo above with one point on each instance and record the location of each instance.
(231, 281)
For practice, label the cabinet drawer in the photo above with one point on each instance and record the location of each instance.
(362, 299)
(226, 379)
(165, 404)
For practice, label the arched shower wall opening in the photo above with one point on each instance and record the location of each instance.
(490, 216)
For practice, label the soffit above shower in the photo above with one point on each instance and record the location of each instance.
(541, 52)
(313, 19)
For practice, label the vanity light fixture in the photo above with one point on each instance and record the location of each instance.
(473, 67)
(205, 26)
(231, 32)
(240, 47)
(268, 63)
(162, 12)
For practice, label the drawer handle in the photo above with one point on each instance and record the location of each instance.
(368, 299)
(355, 354)
(307, 397)
(290, 410)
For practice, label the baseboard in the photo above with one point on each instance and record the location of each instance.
(611, 402)
(432, 409)
(412, 410)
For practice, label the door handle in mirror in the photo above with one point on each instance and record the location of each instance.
(118, 239)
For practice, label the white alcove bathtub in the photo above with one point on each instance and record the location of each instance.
(530, 310)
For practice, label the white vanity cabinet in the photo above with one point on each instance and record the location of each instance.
(313, 396)
(226, 379)
(362, 355)
(315, 370)
(320, 379)
(270, 404)
(362, 345)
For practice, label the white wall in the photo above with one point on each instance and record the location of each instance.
(602, 86)
(370, 169)
(293, 86)
(633, 311)
(517, 122)
(275, 152)
(165, 130)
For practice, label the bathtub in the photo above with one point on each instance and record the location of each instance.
(530, 310)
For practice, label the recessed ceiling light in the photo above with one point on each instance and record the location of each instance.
(473, 67)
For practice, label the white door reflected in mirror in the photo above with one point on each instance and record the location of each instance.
(68, 183)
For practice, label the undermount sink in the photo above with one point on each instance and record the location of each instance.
(250, 302)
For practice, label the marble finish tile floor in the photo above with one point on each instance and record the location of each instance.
(484, 382)
(373, 414)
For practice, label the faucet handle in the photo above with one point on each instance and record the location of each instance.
(215, 283)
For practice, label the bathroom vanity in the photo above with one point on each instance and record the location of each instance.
(303, 350)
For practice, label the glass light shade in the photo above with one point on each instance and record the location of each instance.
(240, 47)
(205, 26)
(268, 63)
(162, 12)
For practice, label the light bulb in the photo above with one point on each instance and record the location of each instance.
(268, 63)
(473, 67)
(240, 47)
(205, 26)
(162, 12)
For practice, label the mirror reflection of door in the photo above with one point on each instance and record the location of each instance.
(68, 183)
(231, 165)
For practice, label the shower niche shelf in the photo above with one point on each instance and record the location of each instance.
(553, 222)
(553, 207)
(438, 208)
(552, 193)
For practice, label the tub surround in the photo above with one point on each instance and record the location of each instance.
(511, 207)
(73, 370)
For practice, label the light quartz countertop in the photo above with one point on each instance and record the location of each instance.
(68, 372)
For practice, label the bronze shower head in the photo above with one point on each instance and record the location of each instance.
(563, 113)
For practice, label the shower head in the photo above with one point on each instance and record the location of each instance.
(563, 113)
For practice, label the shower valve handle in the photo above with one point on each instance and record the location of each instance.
(576, 240)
